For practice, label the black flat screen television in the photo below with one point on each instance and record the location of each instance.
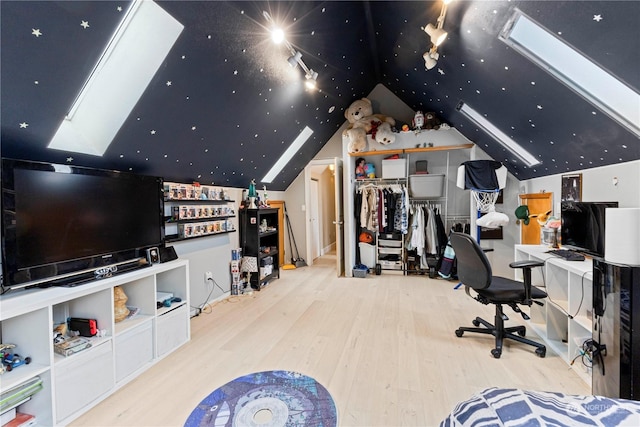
(65, 224)
(583, 226)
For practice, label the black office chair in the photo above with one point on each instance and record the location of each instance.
(474, 271)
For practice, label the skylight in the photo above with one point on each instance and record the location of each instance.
(498, 135)
(573, 69)
(287, 155)
(130, 60)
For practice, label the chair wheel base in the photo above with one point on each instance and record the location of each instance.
(541, 352)
(475, 323)
(496, 353)
(459, 333)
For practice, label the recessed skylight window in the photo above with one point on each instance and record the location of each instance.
(288, 154)
(123, 72)
(497, 134)
(573, 69)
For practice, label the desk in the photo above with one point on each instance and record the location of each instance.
(565, 320)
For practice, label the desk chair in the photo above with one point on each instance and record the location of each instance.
(474, 271)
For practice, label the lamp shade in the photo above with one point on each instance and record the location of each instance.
(429, 60)
(438, 35)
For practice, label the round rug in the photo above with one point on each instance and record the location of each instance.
(267, 399)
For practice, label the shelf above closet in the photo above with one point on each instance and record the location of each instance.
(411, 150)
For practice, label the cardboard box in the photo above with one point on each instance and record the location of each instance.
(396, 168)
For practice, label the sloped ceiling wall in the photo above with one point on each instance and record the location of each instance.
(225, 105)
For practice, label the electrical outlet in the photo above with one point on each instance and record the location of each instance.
(208, 276)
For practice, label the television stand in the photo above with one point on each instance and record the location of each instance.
(119, 354)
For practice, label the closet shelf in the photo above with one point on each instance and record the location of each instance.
(381, 180)
(411, 150)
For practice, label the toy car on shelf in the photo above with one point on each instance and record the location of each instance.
(11, 360)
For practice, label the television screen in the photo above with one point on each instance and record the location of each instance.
(583, 226)
(60, 220)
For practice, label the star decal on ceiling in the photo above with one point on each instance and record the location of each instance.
(84, 24)
(36, 32)
(441, 71)
(169, 83)
(24, 125)
(119, 8)
(69, 159)
(153, 132)
(597, 18)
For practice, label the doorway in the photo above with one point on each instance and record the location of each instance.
(324, 229)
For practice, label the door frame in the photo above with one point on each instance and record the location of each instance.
(307, 202)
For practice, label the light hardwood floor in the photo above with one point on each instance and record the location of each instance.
(383, 346)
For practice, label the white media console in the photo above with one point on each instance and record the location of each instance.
(565, 320)
(74, 384)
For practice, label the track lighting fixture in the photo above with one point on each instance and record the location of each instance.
(311, 77)
(296, 57)
(436, 35)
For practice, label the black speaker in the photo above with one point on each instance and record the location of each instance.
(168, 254)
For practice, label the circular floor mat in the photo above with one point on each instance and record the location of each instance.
(267, 399)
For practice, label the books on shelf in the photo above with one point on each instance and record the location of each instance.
(7, 416)
(19, 394)
(21, 420)
(71, 345)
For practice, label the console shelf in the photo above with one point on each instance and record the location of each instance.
(564, 322)
(122, 351)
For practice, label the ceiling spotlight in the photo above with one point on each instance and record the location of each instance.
(311, 77)
(438, 35)
(277, 35)
(430, 59)
(294, 59)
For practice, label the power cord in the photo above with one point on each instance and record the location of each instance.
(207, 307)
(544, 285)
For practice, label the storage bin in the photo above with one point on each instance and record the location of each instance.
(426, 186)
(389, 251)
(394, 168)
(367, 254)
(360, 272)
(390, 243)
(390, 265)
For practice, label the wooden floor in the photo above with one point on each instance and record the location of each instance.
(383, 346)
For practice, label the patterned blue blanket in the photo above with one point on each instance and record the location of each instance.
(513, 407)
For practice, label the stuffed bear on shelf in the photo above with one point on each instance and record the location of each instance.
(362, 121)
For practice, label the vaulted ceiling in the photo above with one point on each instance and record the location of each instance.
(224, 106)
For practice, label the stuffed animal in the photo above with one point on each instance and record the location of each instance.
(384, 134)
(370, 170)
(357, 140)
(362, 121)
(431, 121)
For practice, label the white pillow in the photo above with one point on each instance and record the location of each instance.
(493, 220)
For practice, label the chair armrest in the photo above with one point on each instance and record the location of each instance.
(526, 263)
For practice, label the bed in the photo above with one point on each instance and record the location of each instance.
(515, 407)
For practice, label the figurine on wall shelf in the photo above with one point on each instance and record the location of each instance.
(252, 194)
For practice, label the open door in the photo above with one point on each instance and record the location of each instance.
(339, 216)
(539, 204)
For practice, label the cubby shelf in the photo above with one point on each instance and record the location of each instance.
(122, 350)
(564, 322)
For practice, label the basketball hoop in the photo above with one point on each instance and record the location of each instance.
(485, 200)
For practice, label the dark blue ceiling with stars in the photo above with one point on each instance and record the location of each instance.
(223, 106)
